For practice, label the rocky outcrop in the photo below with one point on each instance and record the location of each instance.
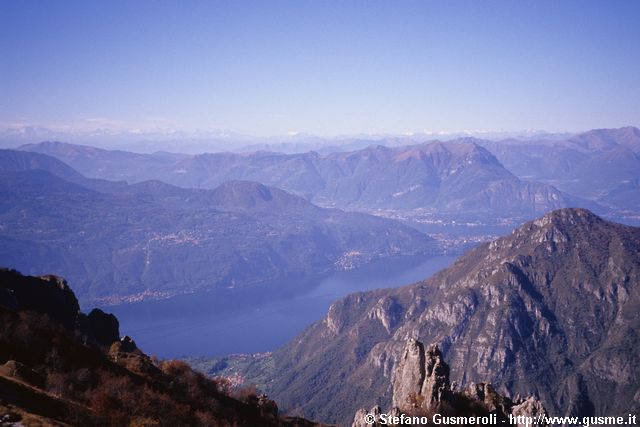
(48, 295)
(530, 407)
(489, 397)
(421, 379)
(51, 295)
(267, 406)
(436, 387)
(361, 420)
(104, 327)
(410, 373)
(421, 387)
(126, 353)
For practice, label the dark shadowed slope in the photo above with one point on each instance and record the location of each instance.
(552, 310)
(58, 365)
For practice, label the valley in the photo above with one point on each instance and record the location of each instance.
(306, 273)
(303, 213)
(152, 240)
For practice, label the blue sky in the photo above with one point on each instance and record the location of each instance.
(320, 67)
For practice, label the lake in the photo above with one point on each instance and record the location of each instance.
(257, 319)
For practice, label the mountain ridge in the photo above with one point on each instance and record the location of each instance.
(438, 176)
(145, 240)
(549, 311)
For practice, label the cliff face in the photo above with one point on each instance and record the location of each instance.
(550, 310)
(421, 378)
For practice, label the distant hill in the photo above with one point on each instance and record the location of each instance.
(450, 178)
(114, 165)
(15, 161)
(550, 310)
(153, 240)
(59, 366)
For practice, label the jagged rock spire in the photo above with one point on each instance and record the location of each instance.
(421, 377)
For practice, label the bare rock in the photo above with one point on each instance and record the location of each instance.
(436, 385)
(530, 407)
(360, 419)
(409, 375)
(492, 400)
(421, 378)
(268, 407)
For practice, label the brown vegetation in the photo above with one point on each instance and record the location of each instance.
(61, 373)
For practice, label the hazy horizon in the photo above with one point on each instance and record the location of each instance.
(199, 141)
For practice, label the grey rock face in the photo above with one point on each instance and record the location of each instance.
(550, 311)
(487, 395)
(421, 379)
(436, 385)
(410, 375)
(360, 419)
(104, 327)
(530, 407)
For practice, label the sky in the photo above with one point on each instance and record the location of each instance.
(319, 67)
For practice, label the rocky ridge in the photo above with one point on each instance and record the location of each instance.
(550, 310)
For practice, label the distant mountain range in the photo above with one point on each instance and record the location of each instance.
(449, 178)
(203, 141)
(550, 310)
(123, 242)
(181, 193)
(601, 165)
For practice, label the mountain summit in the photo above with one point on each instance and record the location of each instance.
(550, 310)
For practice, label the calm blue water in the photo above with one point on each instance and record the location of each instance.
(213, 324)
